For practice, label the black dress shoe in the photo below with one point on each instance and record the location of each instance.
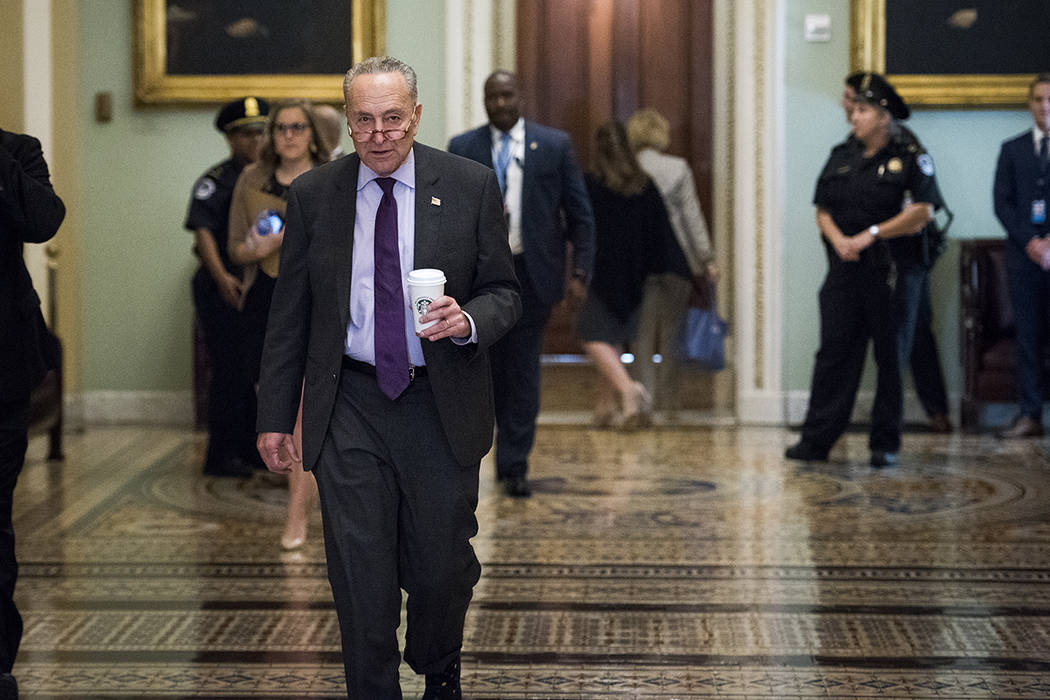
(940, 423)
(1023, 427)
(517, 487)
(235, 468)
(806, 452)
(880, 458)
(8, 687)
(444, 685)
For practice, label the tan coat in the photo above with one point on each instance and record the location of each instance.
(250, 198)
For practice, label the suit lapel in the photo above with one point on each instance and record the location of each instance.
(428, 209)
(344, 212)
(528, 168)
(483, 144)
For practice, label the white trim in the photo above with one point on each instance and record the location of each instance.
(758, 155)
(36, 72)
(478, 37)
(796, 402)
(130, 407)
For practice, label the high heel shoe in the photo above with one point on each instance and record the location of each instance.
(606, 415)
(637, 407)
(293, 541)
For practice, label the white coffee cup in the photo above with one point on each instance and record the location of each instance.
(424, 286)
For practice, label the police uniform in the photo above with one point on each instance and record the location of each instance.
(856, 299)
(913, 258)
(231, 391)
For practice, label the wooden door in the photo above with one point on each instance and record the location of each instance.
(582, 62)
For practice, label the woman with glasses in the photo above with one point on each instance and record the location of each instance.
(291, 147)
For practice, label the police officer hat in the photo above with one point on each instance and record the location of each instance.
(874, 89)
(243, 112)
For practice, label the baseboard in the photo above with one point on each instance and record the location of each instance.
(797, 401)
(129, 407)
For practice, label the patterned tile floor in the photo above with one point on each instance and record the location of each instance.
(671, 563)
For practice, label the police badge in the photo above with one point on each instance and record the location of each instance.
(925, 161)
(205, 188)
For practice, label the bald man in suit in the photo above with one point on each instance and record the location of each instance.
(394, 424)
(546, 205)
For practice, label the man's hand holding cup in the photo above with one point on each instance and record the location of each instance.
(436, 316)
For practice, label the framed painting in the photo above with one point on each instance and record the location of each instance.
(213, 51)
(953, 52)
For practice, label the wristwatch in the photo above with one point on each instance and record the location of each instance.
(874, 230)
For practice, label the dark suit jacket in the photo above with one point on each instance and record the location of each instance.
(459, 229)
(554, 204)
(1016, 187)
(30, 212)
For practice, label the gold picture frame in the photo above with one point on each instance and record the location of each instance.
(154, 85)
(868, 52)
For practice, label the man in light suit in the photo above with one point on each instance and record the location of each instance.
(394, 424)
(1021, 193)
(30, 212)
(546, 205)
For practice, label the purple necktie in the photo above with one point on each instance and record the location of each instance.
(391, 348)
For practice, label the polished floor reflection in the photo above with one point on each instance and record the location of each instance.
(670, 563)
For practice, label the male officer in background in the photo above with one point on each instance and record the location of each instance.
(217, 293)
(30, 212)
(1021, 193)
(546, 204)
(394, 424)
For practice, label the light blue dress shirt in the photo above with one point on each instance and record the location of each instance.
(360, 330)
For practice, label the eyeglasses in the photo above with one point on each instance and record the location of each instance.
(295, 128)
(363, 135)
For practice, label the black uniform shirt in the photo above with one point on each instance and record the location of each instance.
(210, 206)
(858, 192)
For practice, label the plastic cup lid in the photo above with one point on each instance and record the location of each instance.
(426, 276)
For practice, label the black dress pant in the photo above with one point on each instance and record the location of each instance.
(516, 380)
(398, 513)
(856, 304)
(917, 346)
(231, 391)
(1030, 294)
(14, 424)
(252, 326)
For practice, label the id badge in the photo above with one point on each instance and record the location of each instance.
(1038, 211)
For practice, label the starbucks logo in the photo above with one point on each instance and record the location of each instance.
(422, 304)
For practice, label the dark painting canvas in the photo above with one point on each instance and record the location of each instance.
(258, 37)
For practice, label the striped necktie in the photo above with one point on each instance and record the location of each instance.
(502, 161)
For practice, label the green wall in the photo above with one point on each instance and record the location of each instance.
(963, 142)
(136, 179)
(137, 172)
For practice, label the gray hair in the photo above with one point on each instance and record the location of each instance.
(381, 64)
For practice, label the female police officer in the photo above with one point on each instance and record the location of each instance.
(861, 199)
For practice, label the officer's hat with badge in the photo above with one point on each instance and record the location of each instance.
(245, 112)
(874, 89)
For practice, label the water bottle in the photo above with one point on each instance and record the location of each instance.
(268, 222)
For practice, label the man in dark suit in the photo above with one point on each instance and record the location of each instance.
(30, 212)
(546, 204)
(394, 424)
(1021, 192)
